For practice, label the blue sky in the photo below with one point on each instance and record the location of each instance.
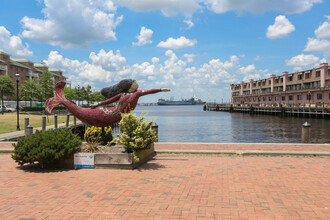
(190, 46)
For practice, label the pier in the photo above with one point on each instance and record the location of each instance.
(295, 111)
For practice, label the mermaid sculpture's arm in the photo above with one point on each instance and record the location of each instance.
(108, 101)
(151, 91)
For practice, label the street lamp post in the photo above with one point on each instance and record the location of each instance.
(78, 94)
(17, 98)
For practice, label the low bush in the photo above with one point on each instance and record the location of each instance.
(40, 108)
(46, 147)
(93, 135)
(135, 133)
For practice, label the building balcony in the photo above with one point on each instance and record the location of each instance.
(4, 68)
(32, 74)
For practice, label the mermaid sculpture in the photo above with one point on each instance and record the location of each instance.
(125, 92)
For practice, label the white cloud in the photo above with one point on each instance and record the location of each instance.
(317, 45)
(323, 31)
(320, 43)
(178, 43)
(281, 28)
(189, 57)
(189, 23)
(13, 44)
(259, 6)
(144, 37)
(168, 8)
(107, 68)
(303, 61)
(71, 23)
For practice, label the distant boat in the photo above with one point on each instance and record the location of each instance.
(191, 101)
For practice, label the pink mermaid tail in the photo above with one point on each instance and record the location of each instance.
(58, 98)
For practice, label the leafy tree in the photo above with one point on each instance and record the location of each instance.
(97, 97)
(70, 94)
(7, 87)
(29, 89)
(46, 85)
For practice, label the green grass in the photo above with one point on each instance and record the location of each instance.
(8, 121)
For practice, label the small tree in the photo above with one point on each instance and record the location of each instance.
(29, 89)
(46, 85)
(7, 87)
(70, 94)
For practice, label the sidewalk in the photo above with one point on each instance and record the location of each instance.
(172, 187)
(228, 148)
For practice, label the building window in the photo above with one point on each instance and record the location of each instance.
(281, 80)
(318, 73)
(290, 78)
(307, 76)
(276, 81)
(290, 97)
(254, 99)
(319, 96)
(299, 97)
(269, 98)
(283, 98)
(308, 96)
(5, 57)
(264, 99)
(299, 77)
(276, 98)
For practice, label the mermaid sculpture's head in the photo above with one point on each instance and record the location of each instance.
(125, 85)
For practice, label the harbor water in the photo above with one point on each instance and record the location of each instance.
(192, 124)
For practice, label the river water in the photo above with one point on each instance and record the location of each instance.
(192, 124)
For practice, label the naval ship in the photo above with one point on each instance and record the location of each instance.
(192, 101)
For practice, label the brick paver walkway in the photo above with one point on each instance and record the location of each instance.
(184, 187)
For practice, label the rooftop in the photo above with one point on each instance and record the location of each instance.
(13, 62)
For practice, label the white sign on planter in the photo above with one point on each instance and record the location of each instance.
(83, 160)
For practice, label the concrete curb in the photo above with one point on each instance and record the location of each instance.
(246, 152)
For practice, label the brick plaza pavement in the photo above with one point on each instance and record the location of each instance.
(186, 187)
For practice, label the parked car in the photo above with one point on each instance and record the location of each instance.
(6, 109)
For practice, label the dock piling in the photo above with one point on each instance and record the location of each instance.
(305, 133)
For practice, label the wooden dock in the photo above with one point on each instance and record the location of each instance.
(310, 112)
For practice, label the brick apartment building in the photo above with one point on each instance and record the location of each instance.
(304, 88)
(25, 68)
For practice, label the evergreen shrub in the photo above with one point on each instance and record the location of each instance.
(135, 133)
(46, 147)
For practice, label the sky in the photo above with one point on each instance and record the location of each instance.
(193, 47)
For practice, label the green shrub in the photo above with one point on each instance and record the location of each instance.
(40, 108)
(46, 147)
(93, 135)
(135, 133)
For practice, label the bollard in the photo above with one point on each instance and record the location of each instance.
(44, 123)
(67, 120)
(154, 128)
(55, 121)
(305, 133)
(29, 130)
(27, 122)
